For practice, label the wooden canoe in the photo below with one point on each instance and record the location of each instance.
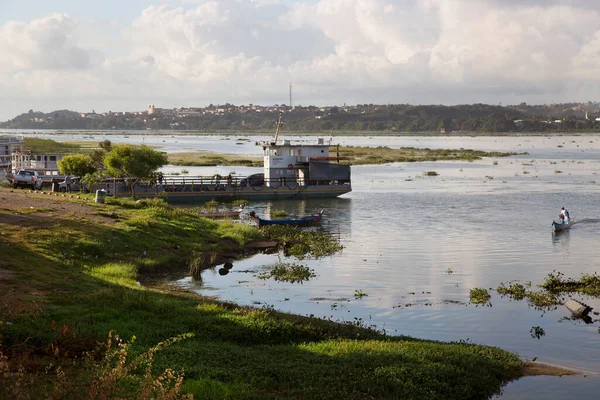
(561, 226)
(309, 220)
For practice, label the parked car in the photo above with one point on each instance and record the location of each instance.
(76, 186)
(253, 180)
(27, 177)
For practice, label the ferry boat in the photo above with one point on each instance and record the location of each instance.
(292, 170)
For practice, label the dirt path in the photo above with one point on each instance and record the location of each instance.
(41, 207)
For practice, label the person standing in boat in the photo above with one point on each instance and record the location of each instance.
(564, 215)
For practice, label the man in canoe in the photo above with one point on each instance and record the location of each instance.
(564, 216)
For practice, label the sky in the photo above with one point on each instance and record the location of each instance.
(124, 55)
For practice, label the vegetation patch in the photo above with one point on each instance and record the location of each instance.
(348, 155)
(302, 243)
(279, 213)
(552, 290)
(384, 154)
(288, 272)
(480, 296)
(207, 159)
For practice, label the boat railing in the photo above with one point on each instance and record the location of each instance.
(177, 183)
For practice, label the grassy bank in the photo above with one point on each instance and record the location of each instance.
(70, 273)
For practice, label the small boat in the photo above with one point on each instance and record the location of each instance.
(309, 220)
(561, 226)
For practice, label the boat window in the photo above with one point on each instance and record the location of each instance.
(298, 152)
(266, 152)
(291, 152)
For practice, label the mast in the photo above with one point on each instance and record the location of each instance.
(278, 126)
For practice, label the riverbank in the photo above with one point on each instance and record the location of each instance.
(70, 273)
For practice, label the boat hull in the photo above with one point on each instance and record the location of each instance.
(310, 220)
(558, 227)
(230, 194)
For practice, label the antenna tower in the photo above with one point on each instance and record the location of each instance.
(291, 105)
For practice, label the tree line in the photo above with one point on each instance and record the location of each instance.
(364, 118)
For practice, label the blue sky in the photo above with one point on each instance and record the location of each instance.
(124, 55)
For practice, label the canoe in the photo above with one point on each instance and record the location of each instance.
(561, 226)
(309, 220)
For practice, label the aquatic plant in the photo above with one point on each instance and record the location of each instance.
(279, 213)
(288, 272)
(431, 173)
(359, 294)
(537, 332)
(588, 284)
(542, 300)
(302, 243)
(480, 296)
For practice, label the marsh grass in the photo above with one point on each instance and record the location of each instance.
(49, 146)
(357, 155)
(207, 159)
(384, 155)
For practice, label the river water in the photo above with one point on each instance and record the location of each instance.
(415, 245)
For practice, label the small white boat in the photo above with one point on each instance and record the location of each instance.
(562, 226)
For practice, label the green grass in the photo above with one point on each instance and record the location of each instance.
(75, 281)
(49, 146)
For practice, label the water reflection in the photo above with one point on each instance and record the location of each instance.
(560, 240)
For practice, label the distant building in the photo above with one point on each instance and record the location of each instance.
(44, 164)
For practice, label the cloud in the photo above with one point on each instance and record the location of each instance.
(44, 44)
(334, 51)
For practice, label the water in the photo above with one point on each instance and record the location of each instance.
(416, 245)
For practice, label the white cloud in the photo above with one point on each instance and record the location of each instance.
(334, 51)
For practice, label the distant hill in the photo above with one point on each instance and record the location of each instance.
(363, 117)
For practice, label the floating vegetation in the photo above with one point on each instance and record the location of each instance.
(489, 177)
(554, 285)
(184, 172)
(518, 291)
(302, 243)
(537, 332)
(279, 213)
(495, 162)
(480, 296)
(431, 173)
(588, 284)
(359, 294)
(288, 272)
(449, 270)
(557, 171)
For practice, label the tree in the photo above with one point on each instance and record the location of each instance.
(76, 164)
(134, 164)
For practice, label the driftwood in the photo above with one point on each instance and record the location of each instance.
(577, 308)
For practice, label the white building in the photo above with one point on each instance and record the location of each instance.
(44, 164)
(8, 144)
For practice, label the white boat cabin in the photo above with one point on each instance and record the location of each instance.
(302, 164)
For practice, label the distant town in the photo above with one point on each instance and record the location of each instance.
(362, 117)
